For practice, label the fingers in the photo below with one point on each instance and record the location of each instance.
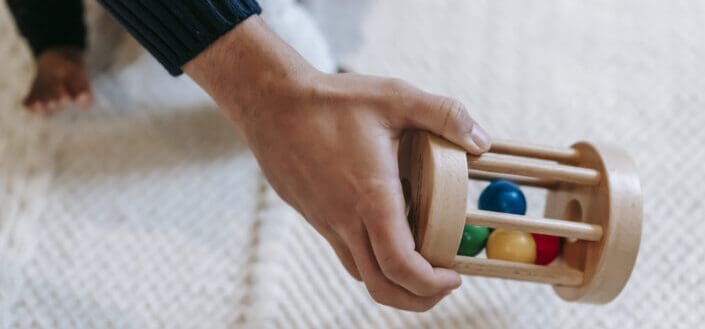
(80, 91)
(84, 99)
(40, 101)
(45, 98)
(380, 288)
(383, 214)
(33, 104)
(61, 95)
(341, 250)
(444, 116)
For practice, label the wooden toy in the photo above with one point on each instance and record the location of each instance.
(504, 196)
(593, 201)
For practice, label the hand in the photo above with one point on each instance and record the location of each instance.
(328, 145)
(60, 79)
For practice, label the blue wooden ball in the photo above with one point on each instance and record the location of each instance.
(503, 196)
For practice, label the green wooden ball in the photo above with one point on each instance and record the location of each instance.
(474, 240)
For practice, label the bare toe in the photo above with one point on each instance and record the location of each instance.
(35, 106)
(31, 100)
(41, 98)
(63, 97)
(85, 99)
(79, 89)
(53, 100)
(44, 101)
(50, 105)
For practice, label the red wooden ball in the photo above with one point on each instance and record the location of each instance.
(547, 248)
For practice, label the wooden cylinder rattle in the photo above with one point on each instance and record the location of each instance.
(593, 202)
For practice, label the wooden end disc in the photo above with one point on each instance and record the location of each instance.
(614, 204)
(434, 175)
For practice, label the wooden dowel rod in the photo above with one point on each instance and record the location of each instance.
(515, 166)
(535, 151)
(521, 180)
(560, 275)
(558, 227)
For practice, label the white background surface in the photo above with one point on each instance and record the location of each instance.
(133, 216)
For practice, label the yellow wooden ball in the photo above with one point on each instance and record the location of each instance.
(515, 246)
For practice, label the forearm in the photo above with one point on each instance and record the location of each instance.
(248, 65)
(48, 24)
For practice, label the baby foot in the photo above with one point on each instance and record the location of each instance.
(61, 79)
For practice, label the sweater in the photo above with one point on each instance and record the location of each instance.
(174, 32)
(49, 24)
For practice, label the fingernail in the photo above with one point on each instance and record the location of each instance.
(481, 138)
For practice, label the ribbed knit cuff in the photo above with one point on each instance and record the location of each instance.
(176, 31)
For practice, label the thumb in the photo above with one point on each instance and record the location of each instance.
(446, 117)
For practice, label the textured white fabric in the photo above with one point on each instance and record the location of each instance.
(134, 216)
(145, 211)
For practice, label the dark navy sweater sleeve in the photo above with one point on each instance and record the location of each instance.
(50, 23)
(175, 31)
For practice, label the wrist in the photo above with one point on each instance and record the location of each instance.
(70, 53)
(251, 66)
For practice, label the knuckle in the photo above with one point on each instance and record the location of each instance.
(396, 93)
(452, 112)
(394, 268)
(374, 200)
(396, 86)
(396, 96)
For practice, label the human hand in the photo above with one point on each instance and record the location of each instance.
(328, 145)
(60, 79)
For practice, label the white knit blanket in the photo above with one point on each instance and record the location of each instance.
(149, 211)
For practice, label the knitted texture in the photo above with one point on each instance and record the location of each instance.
(134, 216)
(175, 32)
